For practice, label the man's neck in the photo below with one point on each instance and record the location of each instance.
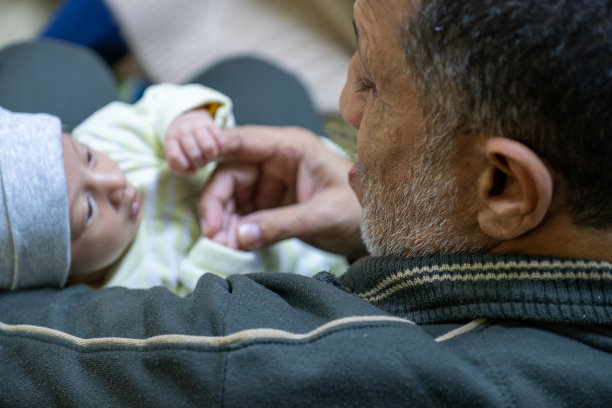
(560, 237)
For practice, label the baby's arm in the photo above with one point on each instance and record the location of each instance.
(134, 134)
(192, 140)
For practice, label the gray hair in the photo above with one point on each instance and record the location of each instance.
(537, 71)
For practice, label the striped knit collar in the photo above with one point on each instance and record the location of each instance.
(458, 287)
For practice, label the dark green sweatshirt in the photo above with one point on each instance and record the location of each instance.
(465, 331)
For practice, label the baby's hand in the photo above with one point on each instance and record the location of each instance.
(191, 142)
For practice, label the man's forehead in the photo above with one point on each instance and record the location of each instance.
(391, 7)
(377, 30)
(378, 17)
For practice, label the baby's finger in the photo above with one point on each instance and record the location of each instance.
(192, 150)
(177, 160)
(208, 142)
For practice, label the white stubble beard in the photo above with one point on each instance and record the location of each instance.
(415, 218)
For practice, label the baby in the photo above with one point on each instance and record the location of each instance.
(132, 175)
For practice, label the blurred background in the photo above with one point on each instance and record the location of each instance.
(174, 40)
(22, 19)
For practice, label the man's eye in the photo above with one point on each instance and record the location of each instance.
(364, 86)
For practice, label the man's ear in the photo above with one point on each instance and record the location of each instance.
(516, 189)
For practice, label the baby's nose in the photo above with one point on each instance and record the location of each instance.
(112, 184)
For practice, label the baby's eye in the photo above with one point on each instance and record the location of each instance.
(90, 209)
(89, 157)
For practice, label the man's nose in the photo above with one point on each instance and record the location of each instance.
(351, 102)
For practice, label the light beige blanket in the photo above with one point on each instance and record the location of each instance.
(175, 39)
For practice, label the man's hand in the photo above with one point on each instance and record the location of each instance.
(191, 142)
(282, 183)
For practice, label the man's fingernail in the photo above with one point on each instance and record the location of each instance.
(249, 235)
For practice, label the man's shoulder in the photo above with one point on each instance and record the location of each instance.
(271, 338)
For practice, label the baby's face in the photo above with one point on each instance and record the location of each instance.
(104, 209)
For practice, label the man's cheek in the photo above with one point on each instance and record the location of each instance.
(355, 183)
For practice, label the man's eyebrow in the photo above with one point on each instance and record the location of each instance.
(357, 44)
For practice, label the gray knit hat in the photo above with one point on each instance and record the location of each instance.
(34, 223)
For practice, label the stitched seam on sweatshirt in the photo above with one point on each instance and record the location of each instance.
(495, 373)
(199, 348)
(186, 340)
(225, 358)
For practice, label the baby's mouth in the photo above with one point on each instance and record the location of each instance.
(136, 206)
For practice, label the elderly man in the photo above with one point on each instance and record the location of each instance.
(487, 211)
